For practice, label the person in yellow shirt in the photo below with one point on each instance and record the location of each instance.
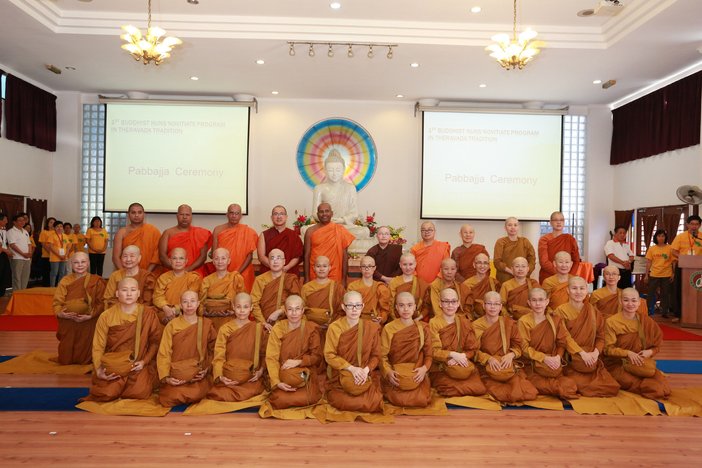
(80, 239)
(660, 272)
(59, 246)
(96, 237)
(44, 241)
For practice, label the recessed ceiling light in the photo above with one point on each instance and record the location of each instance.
(70, 68)
(260, 61)
(414, 65)
(597, 82)
(399, 96)
(476, 9)
(194, 78)
(482, 85)
(335, 5)
(194, 2)
(275, 93)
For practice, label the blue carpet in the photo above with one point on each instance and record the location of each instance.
(676, 366)
(5, 358)
(40, 399)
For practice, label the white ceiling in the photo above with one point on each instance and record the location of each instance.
(647, 41)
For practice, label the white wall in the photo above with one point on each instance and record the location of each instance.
(64, 203)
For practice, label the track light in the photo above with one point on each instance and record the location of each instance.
(330, 52)
(389, 56)
(349, 48)
(291, 51)
(310, 52)
(349, 54)
(370, 51)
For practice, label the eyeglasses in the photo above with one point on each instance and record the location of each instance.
(452, 301)
(367, 267)
(354, 306)
(494, 304)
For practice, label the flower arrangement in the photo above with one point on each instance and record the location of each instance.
(302, 220)
(396, 235)
(368, 222)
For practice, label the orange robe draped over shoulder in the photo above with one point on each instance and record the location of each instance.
(476, 290)
(145, 279)
(323, 300)
(376, 299)
(549, 246)
(193, 241)
(330, 241)
(557, 291)
(429, 258)
(170, 287)
(464, 257)
(146, 238)
(217, 294)
(514, 297)
(240, 241)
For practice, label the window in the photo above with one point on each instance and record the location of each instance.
(573, 178)
(3, 80)
(671, 218)
(93, 172)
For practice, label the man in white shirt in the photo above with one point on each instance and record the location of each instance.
(5, 255)
(18, 243)
(619, 254)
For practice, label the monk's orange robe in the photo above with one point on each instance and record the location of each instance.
(286, 240)
(429, 258)
(146, 238)
(608, 303)
(217, 294)
(193, 241)
(179, 343)
(145, 279)
(269, 294)
(400, 344)
(115, 332)
(517, 388)
(446, 338)
(464, 257)
(170, 287)
(433, 300)
(330, 241)
(476, 290)
(622, 335)
(540, 340)
(240, 241)
(549, 246)
(586, 326)
(302, 343)
(514, 297)
(235, 342)
(419, 290)
(323, 301)
(376, 299)
(85, 296)
(340, 352)
(557, 291)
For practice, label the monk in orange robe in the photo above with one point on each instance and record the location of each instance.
(429, 253)
(510, 247)
(375, 294)
(235, 349)
(293, 356)
(479, 284)
(343, 353)
(143, 235)
(116, 332)
(184, 364)
(322, 296)
(194, 240)
(447, 279)
(271, 289)
(515, 292)
(606, 298)
(280, 237)
(240, 240)
(586, 325)
(500, 345)
(556, 286)
(454, 344)
(131, 258)
(409, 282)
(331, 240)
(406, 357)
(464, 254)
(633, 337)
(171, 285)
(78, 302)
(556, 241)
(218, 290)
(546, 339)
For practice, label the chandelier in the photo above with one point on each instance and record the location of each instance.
(153, 47)
(515, 52)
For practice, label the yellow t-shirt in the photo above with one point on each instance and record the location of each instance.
(97, 240)
(44, 239)
(79, 242)
(661, 258)
(685, 244)
(59, 242)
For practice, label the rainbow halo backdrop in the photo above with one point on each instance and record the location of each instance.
(352, 141)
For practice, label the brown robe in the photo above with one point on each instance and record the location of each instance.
(516, 304)
(217, 294)
(557, 291)
(136, 385)
(404, 348)
(419, 290)
(476, 293)
(376, 299)
(464, 257)
(445, 385)
(185, 347)
(145, 279)
(589, 336)
(371, 400)
(268, 303)
(76, 339)
(607, 305)
(240, 345)
(318, 300)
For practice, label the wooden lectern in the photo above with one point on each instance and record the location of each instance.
(691, 280)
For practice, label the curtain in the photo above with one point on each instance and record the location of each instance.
(1, 105)
(30, 114)
(10, 205)
(37, 215)
(649, 222)
(623, 218)
(664, 120)
(671, 221)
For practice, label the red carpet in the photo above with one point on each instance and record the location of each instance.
(28, 323)
(676, 334)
